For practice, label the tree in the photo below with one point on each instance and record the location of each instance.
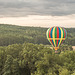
(15, 67)
(63, 71)
(7, 70)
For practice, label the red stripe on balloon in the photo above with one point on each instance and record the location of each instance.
(57, 35)
(52, 42)
(64, 33)
(57, 32)
(49, 32)
(62, 42)
(50, 36)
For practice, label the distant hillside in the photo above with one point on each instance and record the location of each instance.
(11, 34)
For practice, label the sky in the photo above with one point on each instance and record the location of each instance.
(38, 13)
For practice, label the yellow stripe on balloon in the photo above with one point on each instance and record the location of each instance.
(47, 34)
(61, 36)
(56, 38)
(53, 34)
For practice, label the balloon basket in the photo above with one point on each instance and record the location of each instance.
(56, 51)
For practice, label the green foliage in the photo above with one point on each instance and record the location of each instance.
(34, 59)
(19, 58)
(73, 73)
(15, 67)
(64, 71)
(10, 34)
(7, 70)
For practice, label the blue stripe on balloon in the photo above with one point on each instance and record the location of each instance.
(51, 32)
(59, 32)
(58, 43)
(66, 33)
(53, 43)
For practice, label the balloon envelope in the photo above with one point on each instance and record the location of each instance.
(56, 35)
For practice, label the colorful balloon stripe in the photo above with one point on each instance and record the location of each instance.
(51, 32)
(59, 32)
(61, 37)
(56, 35)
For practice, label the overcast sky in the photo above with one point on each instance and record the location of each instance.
(43, 13)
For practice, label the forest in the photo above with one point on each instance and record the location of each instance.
(26, 51)
(11, 34)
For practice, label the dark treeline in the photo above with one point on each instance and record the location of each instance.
(10, 34)
(34, 59)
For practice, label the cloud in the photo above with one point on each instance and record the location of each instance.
(19, 8)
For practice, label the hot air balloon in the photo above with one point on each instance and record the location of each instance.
(56, 35)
